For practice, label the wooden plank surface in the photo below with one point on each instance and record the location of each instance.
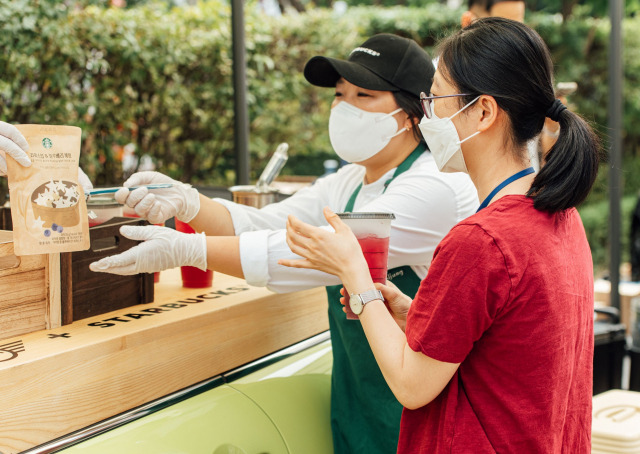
(54, 288)
(23, 291)
(56, 381)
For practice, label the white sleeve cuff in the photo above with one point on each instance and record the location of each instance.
(239, 216)
(254, 257)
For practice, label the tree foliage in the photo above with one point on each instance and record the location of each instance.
(594, 8)
(160, 77)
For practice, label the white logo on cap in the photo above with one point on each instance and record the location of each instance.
(366, 51)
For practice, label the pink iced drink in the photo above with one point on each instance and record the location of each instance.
(376, 253)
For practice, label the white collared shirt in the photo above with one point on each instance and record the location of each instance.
(426, 204)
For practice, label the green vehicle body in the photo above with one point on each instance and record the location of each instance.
(277, 405)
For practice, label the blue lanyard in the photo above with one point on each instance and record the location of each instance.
(511, 179)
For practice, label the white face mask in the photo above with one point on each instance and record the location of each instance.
(356, 135)
(443, 141)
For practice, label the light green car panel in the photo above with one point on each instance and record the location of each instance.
(313, 360)
(296, 393)
(281, 408)
(220, 421)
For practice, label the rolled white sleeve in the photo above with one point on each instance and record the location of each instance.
(260, 252)
(253, 250)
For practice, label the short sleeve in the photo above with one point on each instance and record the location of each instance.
(467, 285)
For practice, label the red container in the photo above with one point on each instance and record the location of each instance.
(376, 252)
(193, 277)
(372, 231)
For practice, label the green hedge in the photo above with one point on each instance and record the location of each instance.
(160, 78)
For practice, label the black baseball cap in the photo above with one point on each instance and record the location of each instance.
(383, 62)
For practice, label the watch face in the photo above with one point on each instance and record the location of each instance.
(355, 302)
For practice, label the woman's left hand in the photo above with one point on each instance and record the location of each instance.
(336, 253)
(161, 248)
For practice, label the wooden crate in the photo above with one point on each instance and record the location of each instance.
(82, 293)
(29, 290)
(86, 293)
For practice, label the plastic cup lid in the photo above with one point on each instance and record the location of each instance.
(359, 215)
(102, 202)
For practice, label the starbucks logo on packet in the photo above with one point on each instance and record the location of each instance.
(47, 143)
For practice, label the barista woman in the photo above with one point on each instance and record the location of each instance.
(373, 124)
(498, 349)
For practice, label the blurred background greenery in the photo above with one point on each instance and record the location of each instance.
(154, 78)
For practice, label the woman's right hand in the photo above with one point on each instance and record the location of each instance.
(336, 252)
(180, 200)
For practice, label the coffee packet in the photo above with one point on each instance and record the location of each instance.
(48, 205)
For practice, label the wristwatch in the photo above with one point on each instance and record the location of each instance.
(358, 300)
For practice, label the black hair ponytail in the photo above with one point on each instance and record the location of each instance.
(570, 167)
(510, 61)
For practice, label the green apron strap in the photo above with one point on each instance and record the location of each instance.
(403, 167)
(407, 163)
(361, 401)
(352, 199)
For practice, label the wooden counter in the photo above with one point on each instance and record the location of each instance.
(56, 381)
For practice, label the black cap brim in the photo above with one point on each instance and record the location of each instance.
(325, 72)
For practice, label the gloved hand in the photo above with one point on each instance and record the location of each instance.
(163, 248)
(181, 200)
(84, 180)
(12, 143)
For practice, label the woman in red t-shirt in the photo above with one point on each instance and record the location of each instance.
(495, 352)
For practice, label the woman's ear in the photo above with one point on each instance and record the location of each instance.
(489, 111)
(410, 123)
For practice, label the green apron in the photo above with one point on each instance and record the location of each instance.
(365, 415)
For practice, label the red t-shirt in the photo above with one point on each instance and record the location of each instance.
(509, 295)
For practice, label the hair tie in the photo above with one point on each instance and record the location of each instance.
(555, 110)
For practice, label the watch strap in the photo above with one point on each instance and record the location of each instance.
(370, 295)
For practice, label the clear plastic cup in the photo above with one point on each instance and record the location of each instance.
(193, 277)
(104, 208)
(372, 231)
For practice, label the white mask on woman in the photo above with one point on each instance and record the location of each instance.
(443, 141)
(356, 135)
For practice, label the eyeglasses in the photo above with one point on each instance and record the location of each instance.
(426, 102)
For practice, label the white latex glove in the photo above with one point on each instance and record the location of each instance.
(12, 143)
(181, 200)
(84, 180)
(163, 248)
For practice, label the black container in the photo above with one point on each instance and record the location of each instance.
(609, 349)
(85, 293)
